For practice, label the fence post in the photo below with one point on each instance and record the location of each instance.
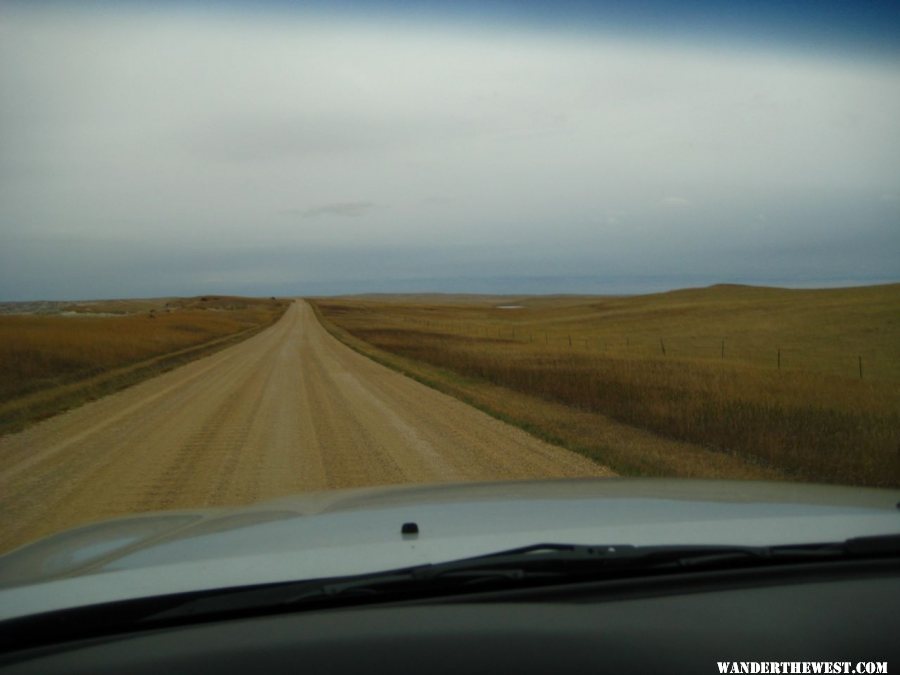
(779, 359)
(570, 340)
(662, 346)
(860, 367)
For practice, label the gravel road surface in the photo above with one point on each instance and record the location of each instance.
(288, 410)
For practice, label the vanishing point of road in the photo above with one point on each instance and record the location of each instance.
(289, 410)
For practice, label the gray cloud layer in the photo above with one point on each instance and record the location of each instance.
(147, 154)
(345, 209)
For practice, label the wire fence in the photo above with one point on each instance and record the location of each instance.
(811, 356)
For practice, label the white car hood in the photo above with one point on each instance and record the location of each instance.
(347, 532)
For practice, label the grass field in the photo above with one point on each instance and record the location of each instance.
(72, 352)
(802, 384)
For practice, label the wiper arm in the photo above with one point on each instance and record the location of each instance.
(536, 564)
(539, 565)
(576, 556)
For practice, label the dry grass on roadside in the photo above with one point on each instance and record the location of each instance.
(813, 418)
(41, 353)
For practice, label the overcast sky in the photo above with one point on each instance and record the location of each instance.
(172, 150)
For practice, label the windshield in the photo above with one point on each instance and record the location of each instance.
(260, 250)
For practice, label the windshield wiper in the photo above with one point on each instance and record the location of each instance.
(552, 561)
(538, 564)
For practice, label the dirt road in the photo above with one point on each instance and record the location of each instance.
(289, 410)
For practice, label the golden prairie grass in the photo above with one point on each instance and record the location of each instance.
(42, 355)
(699, 366)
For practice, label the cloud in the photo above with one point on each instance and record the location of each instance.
(676, 202)
(493, 151)
(343, 209)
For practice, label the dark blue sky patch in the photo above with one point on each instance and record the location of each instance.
(867, 27)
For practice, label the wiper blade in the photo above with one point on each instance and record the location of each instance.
(576, 556)
(537, 564)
